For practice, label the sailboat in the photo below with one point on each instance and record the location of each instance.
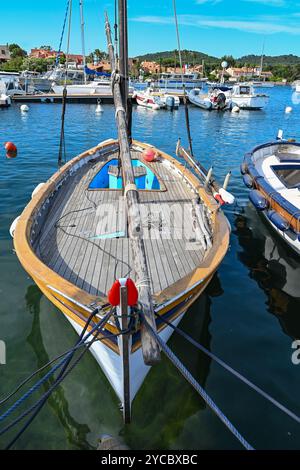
(128, 231)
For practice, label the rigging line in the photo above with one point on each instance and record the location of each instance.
(187, 118)
(62, 143)
(62, 34)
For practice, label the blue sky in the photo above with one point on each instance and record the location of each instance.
(217, 27)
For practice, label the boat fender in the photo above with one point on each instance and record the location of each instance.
(248, 181)
(13, 227)
(258, 200)
(36, 190)
(114, 296)
(226, 196)
(235, 109)
(11, 150)
(219, 199)
(149, 155)
(244, 168)
(277, 220)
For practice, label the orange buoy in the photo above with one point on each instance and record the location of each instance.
(149, 155)
(11, 150)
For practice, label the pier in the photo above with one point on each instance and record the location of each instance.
(55, 98)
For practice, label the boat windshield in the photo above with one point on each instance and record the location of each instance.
(289, 175)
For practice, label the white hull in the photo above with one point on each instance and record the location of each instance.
(250, 102)
(75, 90)
(289, 237)
(112, 365)
(297, 88)
(5, 101)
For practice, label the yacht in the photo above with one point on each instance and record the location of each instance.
(11, 86)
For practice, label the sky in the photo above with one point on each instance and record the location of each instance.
(216, 27)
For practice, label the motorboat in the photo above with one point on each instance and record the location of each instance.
(244, 97)
(272, 172)
(11, 86)
(150, 99)
(215, 99)
(5, 100)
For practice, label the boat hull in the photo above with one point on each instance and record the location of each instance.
(83, 90)
(250, 103)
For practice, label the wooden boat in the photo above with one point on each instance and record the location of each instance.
(124, 209)
(272, 171)
(215, 99)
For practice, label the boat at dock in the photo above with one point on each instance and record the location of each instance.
(244, 97)
(123, 239)
(5, 100)
(176, 81)
(149, 99)
(272, 172)
(215, 99)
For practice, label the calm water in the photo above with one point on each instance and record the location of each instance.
(249, 316)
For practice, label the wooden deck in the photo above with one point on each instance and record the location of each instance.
(76, 239)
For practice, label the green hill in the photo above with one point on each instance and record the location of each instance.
(187, 56)
(270, 60)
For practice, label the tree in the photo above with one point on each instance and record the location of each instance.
(16, 51)
(46, 48)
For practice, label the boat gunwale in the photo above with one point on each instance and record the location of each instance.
(43, 275)
(275, 199)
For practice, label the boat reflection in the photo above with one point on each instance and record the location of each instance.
(273, 266)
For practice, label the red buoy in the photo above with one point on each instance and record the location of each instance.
(11, 150)
(149, 155)
(132, 293)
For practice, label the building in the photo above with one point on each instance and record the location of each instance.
(4, 54)
(150, 67)
(247, 72)
(42, 54)
(102, 67)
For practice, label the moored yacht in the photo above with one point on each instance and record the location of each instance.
(244, 97)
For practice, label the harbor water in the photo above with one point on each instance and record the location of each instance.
(249, 316)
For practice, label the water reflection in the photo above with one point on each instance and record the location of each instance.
(273, 266)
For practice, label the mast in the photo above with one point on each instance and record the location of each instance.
(262, 59)
(82, 38)
(150, 347)
(123, 62)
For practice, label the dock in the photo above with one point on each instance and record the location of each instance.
(55, 98)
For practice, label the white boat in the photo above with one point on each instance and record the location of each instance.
(272, 171)
(92, 88)
(5, 100)
(215, 99)
(296, 85)
(149, 99)
(11, 86)
(171, 81)
(261, 84)
(245, 97)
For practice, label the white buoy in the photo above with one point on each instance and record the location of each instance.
(24, 108)
(36, 190)
(99, 108)
(288, 110)
(235, 109)
(13, 227)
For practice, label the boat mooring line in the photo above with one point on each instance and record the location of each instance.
(188, 376)
(237, 374)
(65, 362)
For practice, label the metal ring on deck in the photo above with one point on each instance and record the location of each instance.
(129, 187)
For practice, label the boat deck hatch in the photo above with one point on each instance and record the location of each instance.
(110, 177)
(289, 175)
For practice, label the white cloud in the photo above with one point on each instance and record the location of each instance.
(249, 26)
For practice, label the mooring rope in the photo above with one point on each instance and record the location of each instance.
(188, 376)
(230, 369)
